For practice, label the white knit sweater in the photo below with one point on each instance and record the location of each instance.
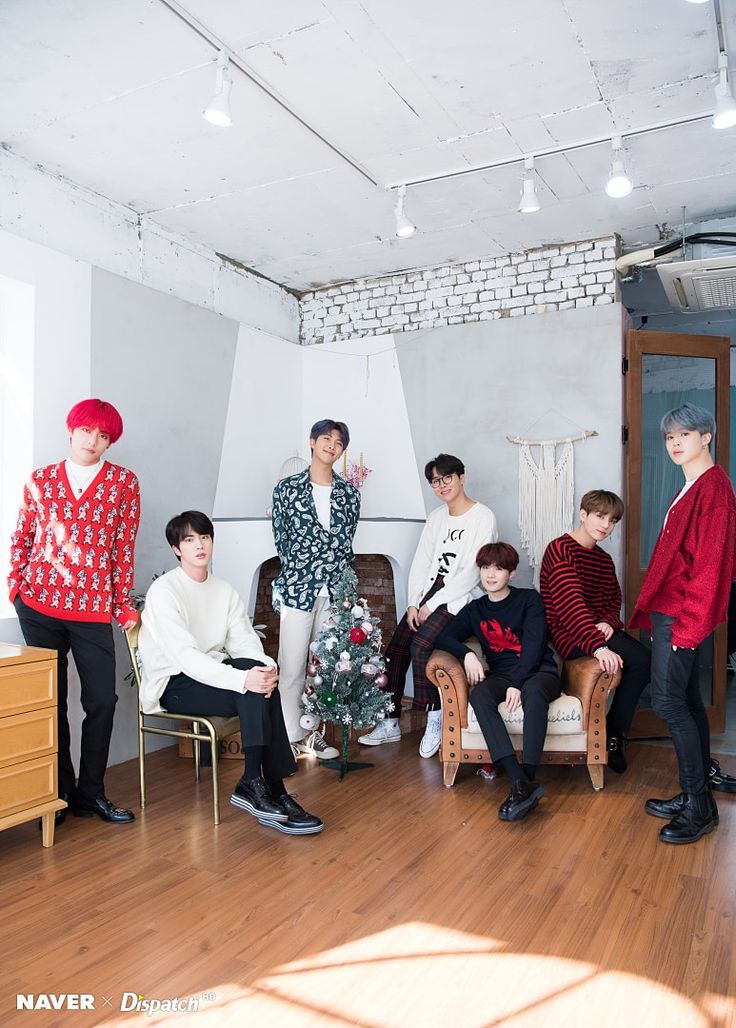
(191, 628)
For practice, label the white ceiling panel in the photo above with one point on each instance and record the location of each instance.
(109, 95)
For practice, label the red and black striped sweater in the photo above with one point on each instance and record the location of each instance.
(580, 589)
(72, 557)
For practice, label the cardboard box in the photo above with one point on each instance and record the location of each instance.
(230, 748)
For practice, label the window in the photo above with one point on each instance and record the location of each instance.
(17, 301)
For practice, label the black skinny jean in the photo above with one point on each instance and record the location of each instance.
(93, 649)
(676, 698)
(261, 719)
(536, 695)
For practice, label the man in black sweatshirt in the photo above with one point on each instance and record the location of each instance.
(510, 626)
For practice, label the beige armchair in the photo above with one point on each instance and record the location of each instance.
(576, 723)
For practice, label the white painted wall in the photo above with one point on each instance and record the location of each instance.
(469, 386)
(279, 391)
(263, 423)
(359, 382)
(61, 354)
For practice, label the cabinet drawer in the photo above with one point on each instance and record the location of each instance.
(24, 785)
(24, 736)
(27, 686)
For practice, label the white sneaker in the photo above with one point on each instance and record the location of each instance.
(386, 730)
(314, 745)
(432, 737)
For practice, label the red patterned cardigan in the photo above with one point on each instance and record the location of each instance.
(72, 557)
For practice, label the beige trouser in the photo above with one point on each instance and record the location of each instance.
(297, 630)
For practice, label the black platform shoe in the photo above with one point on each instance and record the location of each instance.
(694, 820)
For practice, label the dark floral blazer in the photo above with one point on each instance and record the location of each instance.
(310, 555)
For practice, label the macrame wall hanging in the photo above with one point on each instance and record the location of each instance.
(546, 491)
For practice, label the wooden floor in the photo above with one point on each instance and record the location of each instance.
(415, 906)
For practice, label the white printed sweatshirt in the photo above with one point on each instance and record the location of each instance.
(447, 547)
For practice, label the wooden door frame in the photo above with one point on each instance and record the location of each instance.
(671, 344)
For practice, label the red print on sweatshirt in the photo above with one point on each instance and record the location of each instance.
(500, 639)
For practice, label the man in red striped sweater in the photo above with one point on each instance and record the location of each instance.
(71, 571)
(582, 600)
(683, 597)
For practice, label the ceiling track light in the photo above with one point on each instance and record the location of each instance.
(529, 202)
(404, 226)
(217, 111)
(619, 184)
(724, 115)
(698, 1)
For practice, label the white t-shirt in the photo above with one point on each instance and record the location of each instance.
(80, 476)
(678, 498)
(322, 496)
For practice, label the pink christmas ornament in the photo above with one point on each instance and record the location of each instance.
(382, 681)
(311, 670)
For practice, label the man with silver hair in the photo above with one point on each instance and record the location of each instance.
(683, 598)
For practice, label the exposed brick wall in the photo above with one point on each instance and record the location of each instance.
(547, 279)
(375, 583)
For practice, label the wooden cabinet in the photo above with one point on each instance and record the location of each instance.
(28, 738)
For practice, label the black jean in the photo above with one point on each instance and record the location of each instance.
(261, 719)
(635, 676)
(91, 644)
(536, 695)
(676, 699)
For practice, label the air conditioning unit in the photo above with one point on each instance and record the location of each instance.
(704, 285)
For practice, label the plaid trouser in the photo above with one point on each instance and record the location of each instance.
(414, 648)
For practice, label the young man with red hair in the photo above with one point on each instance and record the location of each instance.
(71, 572)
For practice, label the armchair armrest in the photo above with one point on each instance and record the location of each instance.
(582, 676)
(442, 670)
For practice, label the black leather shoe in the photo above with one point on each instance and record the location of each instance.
(299, 822)
(719, 780)
(102, 807)
(616, 757)
(523, 797)
(671, 808)
(694, 820)
(255, 797)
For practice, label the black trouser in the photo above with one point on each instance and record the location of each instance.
(261, 719)
(635, 676)
(536, 695)
(92, 647)
(676, 698)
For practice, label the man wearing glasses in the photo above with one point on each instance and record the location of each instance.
(443, 579)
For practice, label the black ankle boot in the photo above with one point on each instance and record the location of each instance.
(694, 820)
(671, 808)
(616, 757)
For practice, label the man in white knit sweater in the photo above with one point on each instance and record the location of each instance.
(200, 655)
(443, 579)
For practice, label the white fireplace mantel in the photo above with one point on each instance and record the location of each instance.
(243, 544)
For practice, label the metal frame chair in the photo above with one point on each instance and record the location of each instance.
(215, 727)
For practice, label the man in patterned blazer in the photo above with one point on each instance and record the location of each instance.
(314, 516)
(71, 573)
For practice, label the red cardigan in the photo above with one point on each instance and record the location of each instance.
(694, 562)
(72, 558)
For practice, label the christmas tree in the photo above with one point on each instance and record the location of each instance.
(346, 675)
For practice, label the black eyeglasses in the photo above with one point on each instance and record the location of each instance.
(441, 480)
